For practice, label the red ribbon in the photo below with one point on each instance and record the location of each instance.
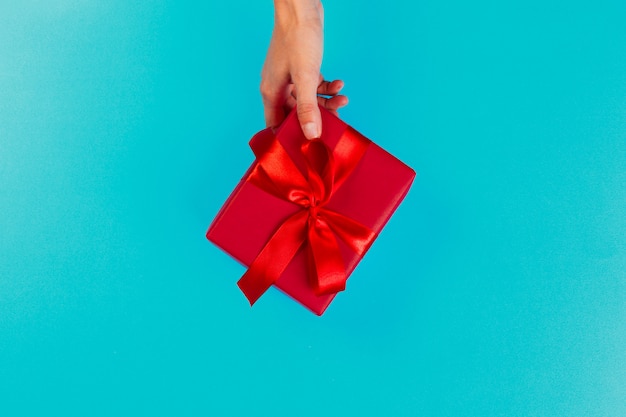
(315, 224)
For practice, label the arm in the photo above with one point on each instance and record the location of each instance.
(291, 73)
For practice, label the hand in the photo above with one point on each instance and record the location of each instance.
(291, 73)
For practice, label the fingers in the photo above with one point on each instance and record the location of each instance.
(326, 88)
(273, 111)
(273, 115)
(290, 103)
(333, 103)
(275, 87)
(277, 104)
(330, 88)
(308, 111)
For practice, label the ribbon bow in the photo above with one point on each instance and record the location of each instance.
(314, 224)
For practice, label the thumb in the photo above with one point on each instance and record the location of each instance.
(308, 112)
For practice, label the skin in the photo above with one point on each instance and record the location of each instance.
(291, 74)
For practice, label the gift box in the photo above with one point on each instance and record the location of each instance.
(306, 212)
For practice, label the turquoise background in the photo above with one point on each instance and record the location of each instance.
(497, 289)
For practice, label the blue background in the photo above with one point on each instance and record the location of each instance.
(497, 289)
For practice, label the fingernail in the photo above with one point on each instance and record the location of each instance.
(310, 130)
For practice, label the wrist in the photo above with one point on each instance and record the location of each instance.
(289, 12)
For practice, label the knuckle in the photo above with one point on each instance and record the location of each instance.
(323, 101)
(267, 90)
(306, 108)
(307, 75)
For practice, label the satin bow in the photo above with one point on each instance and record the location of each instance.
(314, 224)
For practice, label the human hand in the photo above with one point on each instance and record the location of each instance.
(291, 73)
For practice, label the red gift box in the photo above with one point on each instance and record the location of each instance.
(305, 212)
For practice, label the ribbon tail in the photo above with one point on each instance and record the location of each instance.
(328, 272)
(274, 258)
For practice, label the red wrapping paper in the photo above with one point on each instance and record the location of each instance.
(251, 216)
